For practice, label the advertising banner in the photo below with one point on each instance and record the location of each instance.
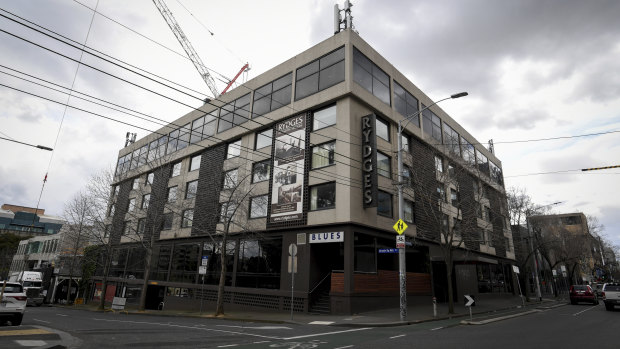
(288, 170)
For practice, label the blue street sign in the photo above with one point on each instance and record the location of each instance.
(388, 250)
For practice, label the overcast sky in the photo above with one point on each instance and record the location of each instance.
(534, 70)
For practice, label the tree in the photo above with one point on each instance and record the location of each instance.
(468, 219)
(8, 247)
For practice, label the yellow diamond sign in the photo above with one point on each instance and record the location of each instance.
(400, 227)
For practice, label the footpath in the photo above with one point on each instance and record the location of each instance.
(483, 312)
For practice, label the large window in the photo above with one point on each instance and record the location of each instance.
(320, 74)
(365, 255)
(234, 113)
(383, 129)
(234, 149)
(178, 139)
(172, 194)
(167, 221)
(132, 204)
(194, 163)
(191, 189)
(431, 124)
(469, 154)
(323, 196)
(260, 171)
(184, 266)
(146, 198)
(408, 212)
(227, 210)
(441, 192)
(406, 104)
(383, 165)
(323, 155)
(451, 139)
(371, 77)
(496, 174)
(323, 118)
(272, 96)
(483, 163)
(204, 127)
(438, 164)
(263, 138)
(214, 251)
(188, 218)
(258, 206)
(176, 169)
(230, 179)
(384, 205)
(259, 263)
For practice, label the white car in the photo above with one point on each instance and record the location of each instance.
(12, 303)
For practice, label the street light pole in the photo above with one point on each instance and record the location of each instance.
(402, 265)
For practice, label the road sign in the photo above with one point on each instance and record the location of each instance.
(515, 269)
(400, 226)
(202, 270)
(469, 301)
(292, 250)
(400, 241)
(388, 250)
(205, 260)
(292, 264)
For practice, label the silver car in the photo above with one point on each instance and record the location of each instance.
(12, 302)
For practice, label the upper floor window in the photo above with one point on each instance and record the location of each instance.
(383, 129)
(469, 154)
(431, 124)
(483, 163)
(260, 171)
(204, 127)
(135, 183)
(406, 104)
(230, 179)
(172, 194)
(405, 139)
(258, 206)
(149, 178)
(323, 196)
(496, 174)
(384, 203)
(323, 155)
(320, 74)
(176, 169)
(438, 164)
(234, 149)
(146, 198)
(323, 118)
(272, 96)
(451, 140)
(408, 212)
(383, 165)
(263, 138)
(188, 218)
(132, 204)
(178, 139)
(191, 189)
(234, 113)
(194, 163)
(167, 224)
(371, 77)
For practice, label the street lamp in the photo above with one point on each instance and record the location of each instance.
(402, 271)
(531, 238)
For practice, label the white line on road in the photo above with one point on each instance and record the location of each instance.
(258, 327)
(400, 335)
(320, 323)
(227, 346)
(47, 322)
(259, 342)
(583, 311)
(62, 315)
(328, 333)
(348, 346)
(436, 328)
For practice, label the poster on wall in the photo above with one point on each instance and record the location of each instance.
(288, 170)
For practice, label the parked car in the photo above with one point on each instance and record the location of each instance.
(611, 295)
(582, 293)
(12, 302)
(598, 289)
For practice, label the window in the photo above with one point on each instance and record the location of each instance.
(272, 96)
(204, 127)
(407, 174)
(383, 165)
(323, 118)
(167, 221)
(234, 149)
(145, 201)
(227, 209)
(365, 253)
(320, 74)
(384, 204)
(260, 171)
(469, 155)
(194, 163)
(451, 139)
(431, 124)
(496, 174)
(126, 228)
(323, 155)
(323, 196)
(263, 139)
(258, 206)
(191, 189)
(178, 139)
(408, 213)
(438, 164)
(454, 197)
(176, 170)
(230, 179)
(371, 77)
(172, 194)
(135, 184)
(111, 211)
(441, 193)
(141, 226)
(259, 263)
(383, 129)
(483, 163)
(234, 113)
(405, 140)
(406, 104)
(456, 228)
(149, 178)
(132, 204)
(188, 218)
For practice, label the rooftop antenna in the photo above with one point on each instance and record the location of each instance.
(339, 23)
(130, 138)
(491, 147)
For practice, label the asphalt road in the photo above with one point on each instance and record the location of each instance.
(570, 326)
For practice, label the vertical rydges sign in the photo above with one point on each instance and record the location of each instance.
(369, 161)
(288, 170)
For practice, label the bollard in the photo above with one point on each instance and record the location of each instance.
(434, 307)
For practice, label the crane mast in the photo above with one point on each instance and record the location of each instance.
(187, 46)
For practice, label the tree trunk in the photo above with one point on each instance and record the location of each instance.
(104, 281)
(147, 271)
(219, 308)
(449, 265)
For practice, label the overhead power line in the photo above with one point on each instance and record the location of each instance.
(28, 144)
(599, 168)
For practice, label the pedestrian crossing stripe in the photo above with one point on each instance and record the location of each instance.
(400, 226)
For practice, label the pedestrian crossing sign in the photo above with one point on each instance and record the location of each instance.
(400, 227)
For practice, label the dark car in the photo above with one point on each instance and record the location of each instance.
(582, 293)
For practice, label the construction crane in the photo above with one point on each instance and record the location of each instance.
(189, 49)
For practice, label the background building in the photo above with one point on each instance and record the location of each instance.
(24, 221)
(305, 154)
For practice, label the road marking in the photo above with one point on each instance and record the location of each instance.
(328, 333)
(258, 327)
(400, 335)
(583, 311)
(24, 332)
(62, 315)
(259, 342)
(348, 346)
(227, 346)
(30, 343)
(320, 323)
(47, 322)
(436, 328)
